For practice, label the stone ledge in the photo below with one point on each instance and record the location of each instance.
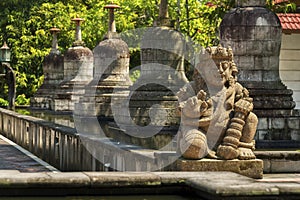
(287, 155)
(15, 179)
(249, 168)
(280, 161)
(233, 189)
(274, 186)
(204, 185)
(124, 179)
(277, 144)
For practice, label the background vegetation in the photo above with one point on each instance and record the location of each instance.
(25, 24)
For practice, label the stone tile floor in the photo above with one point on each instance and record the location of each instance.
(13, 159)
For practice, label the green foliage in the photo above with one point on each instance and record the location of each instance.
(3, 103)
(135, 75)
(285, 7)
(25, 25)
(135, 58)
(200, 20)
(23, 111)
(22, 100)
(4, 88)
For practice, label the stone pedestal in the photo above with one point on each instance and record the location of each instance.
(78, 72)
(146, 114)
(150, 111)
(280, 132)
(250, 168)
(111, 75)
(53, 68)
(111, 81)
(254, 33)
(162, 76)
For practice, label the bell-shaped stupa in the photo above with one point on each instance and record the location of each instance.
(78, 72)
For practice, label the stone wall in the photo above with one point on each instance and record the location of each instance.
(289, 65)
(279, 132)
(254, 33)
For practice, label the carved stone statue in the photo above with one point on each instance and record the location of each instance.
(216, 117)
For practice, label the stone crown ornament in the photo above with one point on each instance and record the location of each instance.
(220, 53)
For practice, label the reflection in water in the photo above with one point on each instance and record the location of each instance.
(62, 118)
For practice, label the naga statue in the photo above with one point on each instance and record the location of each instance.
(216, 111)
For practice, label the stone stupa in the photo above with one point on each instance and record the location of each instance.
(78, 72)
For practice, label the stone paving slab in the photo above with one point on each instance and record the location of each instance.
(278, 186)
(13, 159)
(109, 179)
(252, 168)
(207, 185)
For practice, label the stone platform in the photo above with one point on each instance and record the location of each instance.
(249, 168)
(280, 161)
(193, 185)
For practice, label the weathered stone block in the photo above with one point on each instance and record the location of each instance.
(285, 166)
(66, 178)
(262, 123)
(270, 75)
(262, 135)
(277, 123)
(276, 34)
(239, 48)
(249, 33)
(274, 135)
(294, 123)
(267, 165)
(262, 32)
(119, 179)
(235, 32)
(227, 43)
(238, 20)
(246, 62)
(270, 48)
(250, 75)
(295, 135)
(250, 168)
(148, 54)
(261, 62)
(274, 61)
(226, 32)
(255, 47)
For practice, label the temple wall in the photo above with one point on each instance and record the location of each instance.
(289, 65)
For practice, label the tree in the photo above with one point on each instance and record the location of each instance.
(283, 7)
(25, 25)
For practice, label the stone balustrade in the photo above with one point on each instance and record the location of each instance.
(56, 144)
(62, 147)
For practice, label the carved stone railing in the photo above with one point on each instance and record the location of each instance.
(61, 146)
(58, 145)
